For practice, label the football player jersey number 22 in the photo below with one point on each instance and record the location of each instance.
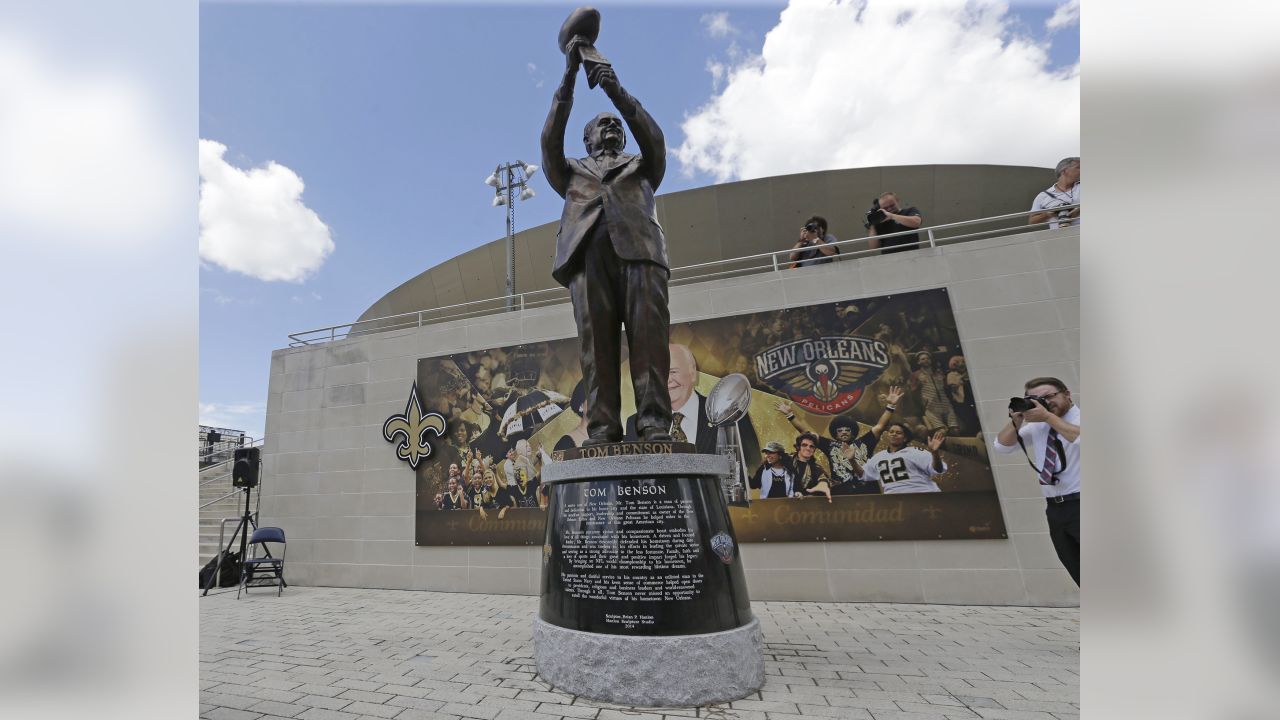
(892, 470)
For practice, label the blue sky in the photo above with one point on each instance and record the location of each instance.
(393, 114)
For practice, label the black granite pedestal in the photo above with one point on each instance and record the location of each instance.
(643, 600)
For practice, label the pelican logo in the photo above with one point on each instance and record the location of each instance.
(410, 430)
(825, 375)
(819, 373)
(723, 545)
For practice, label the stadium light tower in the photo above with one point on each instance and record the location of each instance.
(506, 179)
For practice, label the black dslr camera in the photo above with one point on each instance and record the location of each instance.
(813, 228)
(875, 215)
(1023, 404)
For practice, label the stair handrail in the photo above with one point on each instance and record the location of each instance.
(224, 497)
(251, 443)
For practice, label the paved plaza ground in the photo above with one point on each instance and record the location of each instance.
(347, 654)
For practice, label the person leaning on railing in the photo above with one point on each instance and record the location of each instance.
(1065, 191)
(815, 246)
(893, 218)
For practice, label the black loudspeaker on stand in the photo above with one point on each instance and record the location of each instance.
(246, 464)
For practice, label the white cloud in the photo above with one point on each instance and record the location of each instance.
(535, 74)
(84, 156)
(718, 25)
(222, 298)
(840, 84)
(717, 70)
(1066, 15)
(254, 221)
(247, 416)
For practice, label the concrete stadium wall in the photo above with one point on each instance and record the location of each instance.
(347, 503)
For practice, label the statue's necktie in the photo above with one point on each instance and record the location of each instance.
(677, 432)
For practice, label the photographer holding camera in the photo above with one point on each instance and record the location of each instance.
(814, 246)
(1066, 191)
(886, 217)
(1045, 423)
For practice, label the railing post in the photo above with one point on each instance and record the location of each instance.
(521, 302)
(331, 334)
(931, 242)
(773, 257)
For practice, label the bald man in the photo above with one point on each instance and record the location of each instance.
(689, 408)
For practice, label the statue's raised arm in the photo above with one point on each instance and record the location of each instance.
(554, 165)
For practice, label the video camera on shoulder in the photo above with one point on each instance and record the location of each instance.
(1023, 404)
(875, 215)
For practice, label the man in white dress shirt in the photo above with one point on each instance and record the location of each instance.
(1049, 433)
(1066, 191)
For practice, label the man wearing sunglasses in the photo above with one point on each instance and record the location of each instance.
(1045, 423)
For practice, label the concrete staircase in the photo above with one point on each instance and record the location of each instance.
(218, 479)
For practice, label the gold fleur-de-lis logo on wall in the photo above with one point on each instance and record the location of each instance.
(411, 428)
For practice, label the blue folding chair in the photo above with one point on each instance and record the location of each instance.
(269, 568)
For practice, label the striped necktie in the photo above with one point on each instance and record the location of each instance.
(1050, 459)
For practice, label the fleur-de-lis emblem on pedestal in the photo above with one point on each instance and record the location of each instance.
(411, 428)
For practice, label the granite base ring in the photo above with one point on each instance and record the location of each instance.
(651, 671)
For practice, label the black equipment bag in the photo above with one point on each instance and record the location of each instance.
(228, 576)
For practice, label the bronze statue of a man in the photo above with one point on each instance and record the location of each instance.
(610, 251)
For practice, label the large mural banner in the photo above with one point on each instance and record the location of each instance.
(862, 426)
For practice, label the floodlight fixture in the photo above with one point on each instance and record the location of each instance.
(507, 180)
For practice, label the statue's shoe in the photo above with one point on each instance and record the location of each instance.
(599, 440)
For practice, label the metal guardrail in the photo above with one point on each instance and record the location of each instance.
(218, 500)
(250, 443)
(231, 447)
(215, 478)
(937, 235)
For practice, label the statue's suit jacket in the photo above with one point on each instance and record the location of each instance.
(619, 190)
